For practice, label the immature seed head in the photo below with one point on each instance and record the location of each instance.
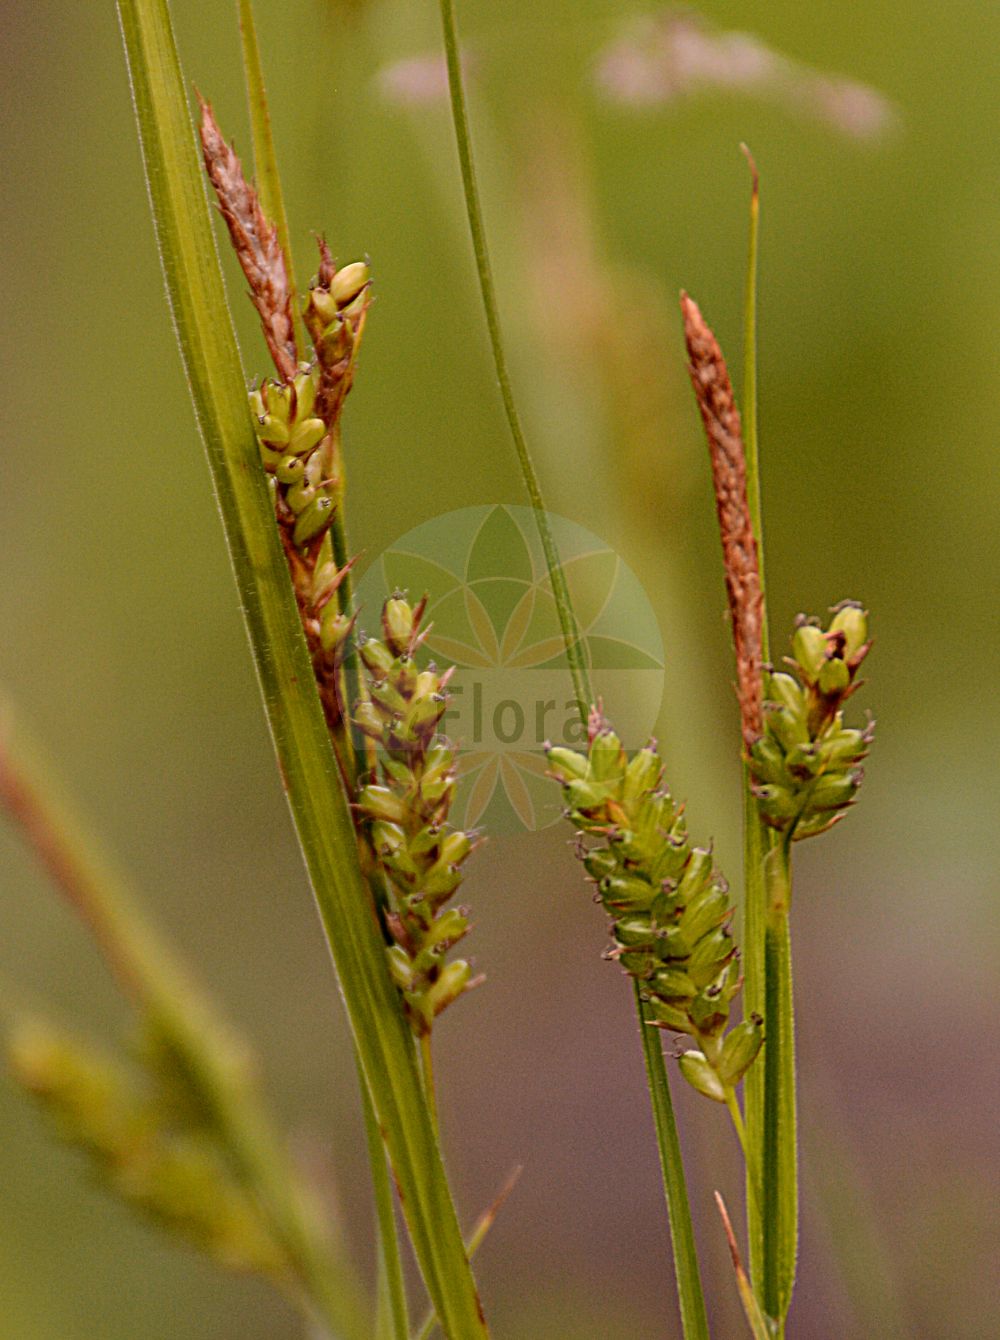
(806, 767)
(668, 905)
(404, 813)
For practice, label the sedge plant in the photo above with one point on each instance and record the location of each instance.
(176, 1123)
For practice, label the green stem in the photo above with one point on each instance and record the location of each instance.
(309, 769)
(780, 1154)
(265, 160)
(756, 845)
(353, 682)
(427, 1069)
(472, 1245)
(391, 1286)
(158, 984)
(749, 1154)
(560, 590)
(272, 199)
(749, 408)
(692, 1304)
(757, 837)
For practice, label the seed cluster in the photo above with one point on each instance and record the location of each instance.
(298, 432)
(297, 420)
(669, 906)
(406, 806)
(806, 765)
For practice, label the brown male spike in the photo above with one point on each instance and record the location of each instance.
(714, 393)
(255, 241)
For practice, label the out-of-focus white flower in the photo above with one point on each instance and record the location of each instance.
(674, 54)
(417, 81)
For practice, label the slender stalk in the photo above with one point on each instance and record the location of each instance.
(756, 845)
(749, 1153)
(560, 591)
(309, 769)
(780, 1160)
(353, 682)
(393, 1315)
(472, 1245)
(265, 159)
(272, 200)
(692, 1303)
(150, 974)
(769, 1095)
(682, 1234)
(749, 408)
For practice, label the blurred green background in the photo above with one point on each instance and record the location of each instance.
(124, 651)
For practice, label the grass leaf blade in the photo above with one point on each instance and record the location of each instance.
(208, 346)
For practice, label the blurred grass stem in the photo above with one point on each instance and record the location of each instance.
(158, 985)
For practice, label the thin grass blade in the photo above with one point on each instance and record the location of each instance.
(780, 1165)
(265, 160)
(477, 229)
(318, 805)
(770, 1098)
(473, 1243)
(392, 1318)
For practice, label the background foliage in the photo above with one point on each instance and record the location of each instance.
(123, 647)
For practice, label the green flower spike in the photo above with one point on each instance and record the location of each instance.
(298, 452)
(335, 310)
(405, 809)
(806, 765)
(669, 906)
(297, 419)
